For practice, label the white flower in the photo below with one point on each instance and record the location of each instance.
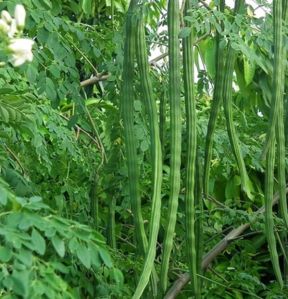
(20, 15)
(12, 29)
(4, 27)
(6, 17)
(21, 50)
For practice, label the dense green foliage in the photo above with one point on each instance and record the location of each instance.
(105, 151)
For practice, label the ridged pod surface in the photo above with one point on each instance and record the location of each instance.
(127, 110)
(191, 136)
(275, 118)
(175, 128)
(217, 98)
(280, 131)
(227, 102)
(269, 221)
(278, 54)
(151, 109)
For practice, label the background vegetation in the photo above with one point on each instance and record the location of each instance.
(125, 176)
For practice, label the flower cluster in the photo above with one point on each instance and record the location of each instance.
(20, 49)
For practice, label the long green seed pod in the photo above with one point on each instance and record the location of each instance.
(277, 96)
(162, 126)
(285, 19)
(217, 97)
(284, 10)
(175, 143)
(127, 109)
(188, 65)
(269, 222)
(281, 147)
(227, 101)
(150, 104)
(278, 19)
(199, 217)
(280, 137)
(280, 131)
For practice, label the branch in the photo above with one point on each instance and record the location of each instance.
(205, 5)
(152, 62)
(94, 80)
(213, 253)
(16, 158)
(100, 77)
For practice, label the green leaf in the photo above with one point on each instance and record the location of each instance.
(25, 257)
(60, 267)
(249, 70)
(102, 291)
(83, 253)
(54, 70)
(72, 121)
(50, 89)
(21, 283)
(59, 245)
(6, 90)
(38, 241)
(230, 190)
(144, 145)
(4, 114)
(50, 232)
(87, 6)
(31, 73)
(185, 32)
(249, 188)
(95, 258)
(117, 276)
(5, 254)
(137, 105)
(44, 4)
(73, 245)
(105, 256)
(210, 57)
(3, 196)
(42, 35)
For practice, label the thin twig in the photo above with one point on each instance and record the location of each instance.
(84, 132)
(218, 203)
(15, 157)
(156, 59)
(102, 149)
